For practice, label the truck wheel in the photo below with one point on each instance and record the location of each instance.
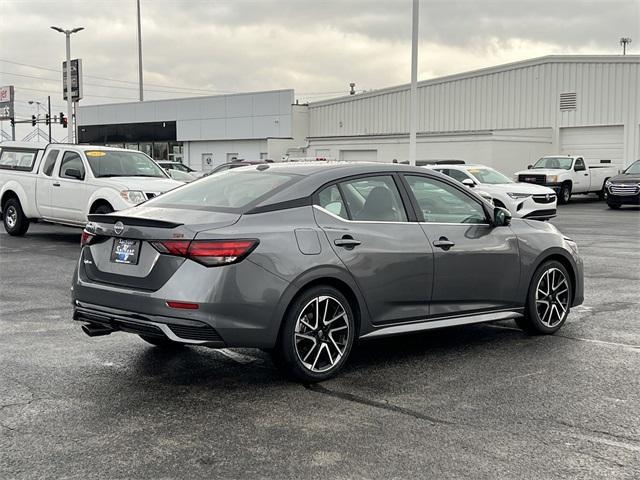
(104, 209)
(565, 194)
(15, 222)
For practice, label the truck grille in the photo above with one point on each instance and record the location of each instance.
(531, 178)
(547, 198)
(624, 189)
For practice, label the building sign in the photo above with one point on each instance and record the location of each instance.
(207, 162)
(76, 79)
(6, 103)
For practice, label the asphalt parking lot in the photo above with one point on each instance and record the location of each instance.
(471, 402)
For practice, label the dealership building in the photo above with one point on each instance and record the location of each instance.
(505, 116)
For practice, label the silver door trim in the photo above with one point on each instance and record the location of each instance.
(447, 322)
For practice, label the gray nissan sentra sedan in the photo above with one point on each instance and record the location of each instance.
(303, 260)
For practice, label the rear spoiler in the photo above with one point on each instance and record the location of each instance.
(132, 221)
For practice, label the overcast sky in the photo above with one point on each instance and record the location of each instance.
(317, 47)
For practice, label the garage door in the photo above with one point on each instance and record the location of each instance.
(359, 155)
(593, 143)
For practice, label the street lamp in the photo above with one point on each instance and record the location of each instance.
(68, 34)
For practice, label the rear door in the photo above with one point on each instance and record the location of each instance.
(476, 265)
(69, 195)
(368, 226)
(44, 184)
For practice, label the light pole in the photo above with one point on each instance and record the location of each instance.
(68, 34)
(624, 41)
(413, 97)
(140, 52)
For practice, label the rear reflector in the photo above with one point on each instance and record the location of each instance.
(210, 253)
(183, 305)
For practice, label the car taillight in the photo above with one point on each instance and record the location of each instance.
(86, 238)
(211, 253)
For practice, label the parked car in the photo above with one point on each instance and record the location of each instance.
(171, 165)
(62, 183)
(235, 164)
(568, 175)
(624, 189)
(521, 199)
(304, 259)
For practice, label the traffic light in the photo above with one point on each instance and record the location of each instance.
(33, 120)
(63, 120)
(47, 119)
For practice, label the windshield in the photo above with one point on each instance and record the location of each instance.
(489, 175)
(634, 168)
(115, 163)
(562, 163)
(229, 191)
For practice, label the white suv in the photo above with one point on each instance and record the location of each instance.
(523, 200)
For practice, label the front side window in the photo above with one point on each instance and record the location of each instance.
(439, 202)
(113, 163)
(50, 162)
(71, 163)
(373, 199)
(555, 163)
(579, 165)
(331, 200)
(229, 191)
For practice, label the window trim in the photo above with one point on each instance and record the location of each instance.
(463, 190)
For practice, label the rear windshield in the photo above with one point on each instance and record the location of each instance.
(228, 191)
(17, 159)
(114, 163)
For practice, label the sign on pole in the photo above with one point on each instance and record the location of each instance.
(76, 79)
(6, 103)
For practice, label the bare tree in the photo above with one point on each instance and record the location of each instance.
(624, 41)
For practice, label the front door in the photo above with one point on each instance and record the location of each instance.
(476, 265)
(68, 193)
(389, 257)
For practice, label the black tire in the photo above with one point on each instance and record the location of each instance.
(565, 193)
(15, 222)
(161, 342)
(535, 312)
(104, 209)
(613, 206)
(294, 344)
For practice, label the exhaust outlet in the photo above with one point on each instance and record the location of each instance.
(94, 330)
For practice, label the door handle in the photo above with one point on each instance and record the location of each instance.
(56, 184)
(346, 241)
(443, 243)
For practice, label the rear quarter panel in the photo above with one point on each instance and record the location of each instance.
(23, 184)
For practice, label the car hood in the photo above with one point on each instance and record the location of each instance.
(542, 171)
(517, 187)
(145, 184)
(626, 178)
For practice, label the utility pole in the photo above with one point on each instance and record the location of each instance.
(68, 34)
(140, 52)
(49, 115)
(413, 97)
(624, 41)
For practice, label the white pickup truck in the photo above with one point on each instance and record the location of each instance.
(62, 183)
(568, 175)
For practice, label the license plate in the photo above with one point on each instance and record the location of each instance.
(125, 251)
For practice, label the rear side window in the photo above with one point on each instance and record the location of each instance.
(457, 174)
(331, 200)
(373, 199)
(17, 159)
(50, 162)
(71, 161)
(230, 191)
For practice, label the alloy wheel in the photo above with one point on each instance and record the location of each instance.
(322, 333)
(12, 217)
(552, 297)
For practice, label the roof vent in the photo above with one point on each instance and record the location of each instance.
(568, 101)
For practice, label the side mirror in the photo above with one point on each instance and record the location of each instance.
(74, 173)
(501, 217)
(529, 167)
(469, 183)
